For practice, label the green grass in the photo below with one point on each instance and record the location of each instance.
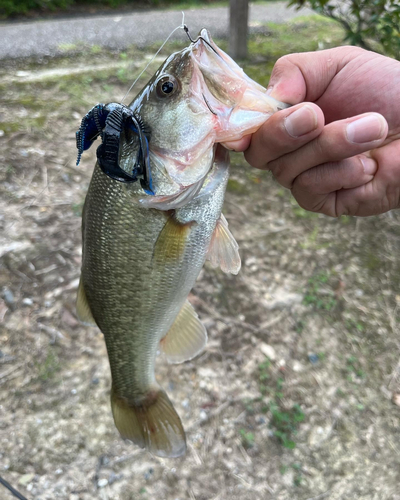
(49, 367)
(319, 293)
(284, 420)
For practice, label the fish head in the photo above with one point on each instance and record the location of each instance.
(173, 108)
(198, 97)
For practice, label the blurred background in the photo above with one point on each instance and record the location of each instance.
(297, 395)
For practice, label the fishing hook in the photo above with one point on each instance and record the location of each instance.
(199, 38)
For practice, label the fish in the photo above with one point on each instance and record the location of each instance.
(142, 252)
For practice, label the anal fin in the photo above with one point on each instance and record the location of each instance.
(82, 307)
(224, 250)
(186, 338)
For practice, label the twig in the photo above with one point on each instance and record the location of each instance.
(52, 331)
(268, 324)
(10, 370)
(6, 359)
(319, 497)
(46, 270)
(125, 458)
(191, 494)
(212, 414)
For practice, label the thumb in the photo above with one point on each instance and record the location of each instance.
(305, 77)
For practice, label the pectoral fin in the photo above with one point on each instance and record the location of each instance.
(82, 307)
(186, 338)
(224, 250)
(171, 242)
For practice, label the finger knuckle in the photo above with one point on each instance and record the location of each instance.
(282, 64)
(278, 170)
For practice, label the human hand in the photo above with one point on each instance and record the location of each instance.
(339, 153)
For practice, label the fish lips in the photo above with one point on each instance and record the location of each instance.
(240, 104)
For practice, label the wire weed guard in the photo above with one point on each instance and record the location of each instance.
(108, 121)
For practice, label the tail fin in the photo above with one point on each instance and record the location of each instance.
(154, 424)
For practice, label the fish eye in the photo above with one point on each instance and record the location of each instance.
(166, 86)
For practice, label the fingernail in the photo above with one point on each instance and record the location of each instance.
(366, 129)
(370, 166)
(270, 89)
(301, 122)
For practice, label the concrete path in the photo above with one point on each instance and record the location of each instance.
(117, 31)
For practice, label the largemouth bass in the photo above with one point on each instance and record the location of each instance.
(142, 253)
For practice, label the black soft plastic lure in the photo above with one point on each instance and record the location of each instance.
(108, 121)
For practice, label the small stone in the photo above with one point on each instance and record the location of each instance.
(8, 297)
(25, 479)
(205, 372)
(1, 133)
(148, 475)
(297, 366)
(268, 351)
(203, 415)
(281, 299)
(27, 301)
(68, 319)
(319, 435)
(281, 364)
(102, 482)
(95, 381)
(396, 398)
(101, 430)
(313, 358)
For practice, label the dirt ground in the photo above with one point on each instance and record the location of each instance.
(297, 395)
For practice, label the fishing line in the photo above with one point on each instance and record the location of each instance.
(13, 490)
(181, 26)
